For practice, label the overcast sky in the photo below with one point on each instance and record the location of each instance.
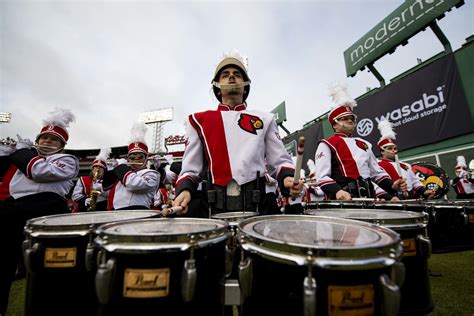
(108, 61)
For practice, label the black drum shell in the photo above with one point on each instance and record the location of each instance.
(277, 286)
(207, 298)
(145, 251)
(416, 290)
(451, 225)
(51, 289)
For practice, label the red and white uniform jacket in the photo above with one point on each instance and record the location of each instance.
(232, 144)
(313, 193)
(130, 187)
(163, 197)
(414, 185)
(463, 187)
(31, 174)
(341, 159)
(83, 189)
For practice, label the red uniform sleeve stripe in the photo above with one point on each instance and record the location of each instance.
(125, 178)
(30, 166)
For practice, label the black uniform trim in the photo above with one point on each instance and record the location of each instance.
(22, 157)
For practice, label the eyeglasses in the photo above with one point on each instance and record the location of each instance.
(136, 156)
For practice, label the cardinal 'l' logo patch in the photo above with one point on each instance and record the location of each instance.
(250, 123)
(362, 145)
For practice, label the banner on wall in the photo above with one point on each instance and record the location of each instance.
(426, 107)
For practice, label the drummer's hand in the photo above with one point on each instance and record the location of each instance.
(429, 194)
(294, 187)
(183, 200)
(394, 199)
(343, 195)
(400, 185)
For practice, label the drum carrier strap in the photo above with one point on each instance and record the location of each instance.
(248, 198)
(361, 187)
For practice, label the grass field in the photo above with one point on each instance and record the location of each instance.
(453, 291)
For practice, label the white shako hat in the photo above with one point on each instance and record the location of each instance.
(232, 58)
(387, 134)
(343, 102)
(56, 123)
(137, 142)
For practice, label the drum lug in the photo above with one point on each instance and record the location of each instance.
(425, 246)
(30, 255)
(309, 298)
(398, 273)
(89, 259)
(188, 280)
(245, 277)
(104, 281)
(391, 296)
(466, 218)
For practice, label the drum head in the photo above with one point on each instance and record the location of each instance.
(233, 218)
(432, 177)
(321, 236)
(397, 220)
(80, 223)
(149, 234)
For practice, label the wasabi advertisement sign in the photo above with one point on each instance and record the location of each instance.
(426, 107)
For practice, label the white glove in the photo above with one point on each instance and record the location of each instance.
(169, 159)
(121, 161)
(6, 150)
(23, 143)
(87, 202)
(111, 164)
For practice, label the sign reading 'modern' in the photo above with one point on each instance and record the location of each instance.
(407, 20)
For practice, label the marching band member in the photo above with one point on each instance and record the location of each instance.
(463, 186)
(89, 187)
(346, 165)
(132, 185)
(313, 190)
(43, 176)
(237, 144)
(389, 150)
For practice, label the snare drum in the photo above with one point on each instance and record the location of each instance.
(314, 265)
(59, 258)
(416, 289)
(402, 205)
(449, 227)
(167, 266)
(337, 204)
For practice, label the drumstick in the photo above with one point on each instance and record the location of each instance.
(299, 161)
(399, 171)
(171, 210)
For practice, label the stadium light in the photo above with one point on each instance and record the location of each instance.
(5, 117)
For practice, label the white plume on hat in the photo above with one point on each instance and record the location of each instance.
(59, 117)
(234, 53)
(386, 129)
(340, 95)
(103, 154)
(461, 162)
(138, 132)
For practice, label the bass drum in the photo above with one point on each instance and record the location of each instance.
(416, 289)
(314, 265)
(59, 257)
(167, 266)
(432, 177)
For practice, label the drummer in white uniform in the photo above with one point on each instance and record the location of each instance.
(399, 170)
(231, 147)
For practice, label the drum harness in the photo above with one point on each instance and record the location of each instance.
(234, 197)
(360, 188)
